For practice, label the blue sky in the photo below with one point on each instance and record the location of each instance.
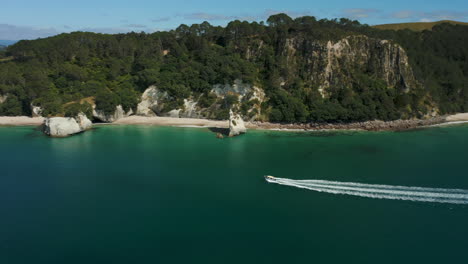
(29, 19)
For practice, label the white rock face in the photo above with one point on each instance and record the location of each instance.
(36, 111)
(118, 114)
(236, 124)
(3, 98)
(149, 101)
(83, 122)
(66, 126)
(190, 109)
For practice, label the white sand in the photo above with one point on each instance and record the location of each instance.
(171, 121)
(458, 117)
(20, 121)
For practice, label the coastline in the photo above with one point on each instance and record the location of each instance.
(192, 122)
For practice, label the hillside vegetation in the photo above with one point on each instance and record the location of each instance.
(417, 26)
(310, 70)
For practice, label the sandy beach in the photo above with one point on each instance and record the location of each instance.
(171, 121)
(193, 122)
(20, 121)
(458, 117)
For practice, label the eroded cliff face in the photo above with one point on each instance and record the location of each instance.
(118, 114)
(153, 102)
(336, 64)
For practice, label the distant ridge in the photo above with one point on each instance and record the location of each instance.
(417, 26)
(7, 42)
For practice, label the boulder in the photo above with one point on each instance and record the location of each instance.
(236, 124)
(66, 126)
(3, 98)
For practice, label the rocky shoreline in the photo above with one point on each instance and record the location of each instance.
(376, 125)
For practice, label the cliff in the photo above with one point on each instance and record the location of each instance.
(336, 64)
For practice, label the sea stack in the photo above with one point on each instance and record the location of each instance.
(66, 126)
(236, 124)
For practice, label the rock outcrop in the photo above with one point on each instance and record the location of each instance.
(335, 63)
(118, 114)
(236, 124)
(3, 98)
(36, 111)
(154, 102)
(66, 126)
(83, 122)
(150, 103)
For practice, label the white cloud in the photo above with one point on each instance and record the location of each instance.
(357, 13)
(161, 19)
(134, 26)
(403, 14)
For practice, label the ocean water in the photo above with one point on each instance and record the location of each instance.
(144, 194)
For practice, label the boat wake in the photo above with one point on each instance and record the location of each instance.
(417, 194)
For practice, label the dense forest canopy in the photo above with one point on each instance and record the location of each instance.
(57, 73)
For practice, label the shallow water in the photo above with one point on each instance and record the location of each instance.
(143, 194)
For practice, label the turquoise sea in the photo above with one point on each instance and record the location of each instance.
(144, 194)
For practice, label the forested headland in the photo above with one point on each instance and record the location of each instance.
(366, 77)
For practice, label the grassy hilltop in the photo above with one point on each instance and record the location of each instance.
(417, 26)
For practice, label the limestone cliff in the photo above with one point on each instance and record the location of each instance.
(118, 114)
(336, 63)
(154, 102)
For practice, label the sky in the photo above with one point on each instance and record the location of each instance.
(31, 19)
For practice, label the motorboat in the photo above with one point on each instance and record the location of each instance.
(270, 178)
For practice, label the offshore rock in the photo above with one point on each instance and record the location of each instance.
(236, 124)
(66, 126)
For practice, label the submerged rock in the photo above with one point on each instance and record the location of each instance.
(236, 124)
(66, 126)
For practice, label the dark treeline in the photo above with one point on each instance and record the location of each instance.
(57, 72)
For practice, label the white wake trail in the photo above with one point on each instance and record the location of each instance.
(420, 194)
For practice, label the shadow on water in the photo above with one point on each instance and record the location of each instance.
(222, 131)
(427, 130)
(367, 149)
(35, 132)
